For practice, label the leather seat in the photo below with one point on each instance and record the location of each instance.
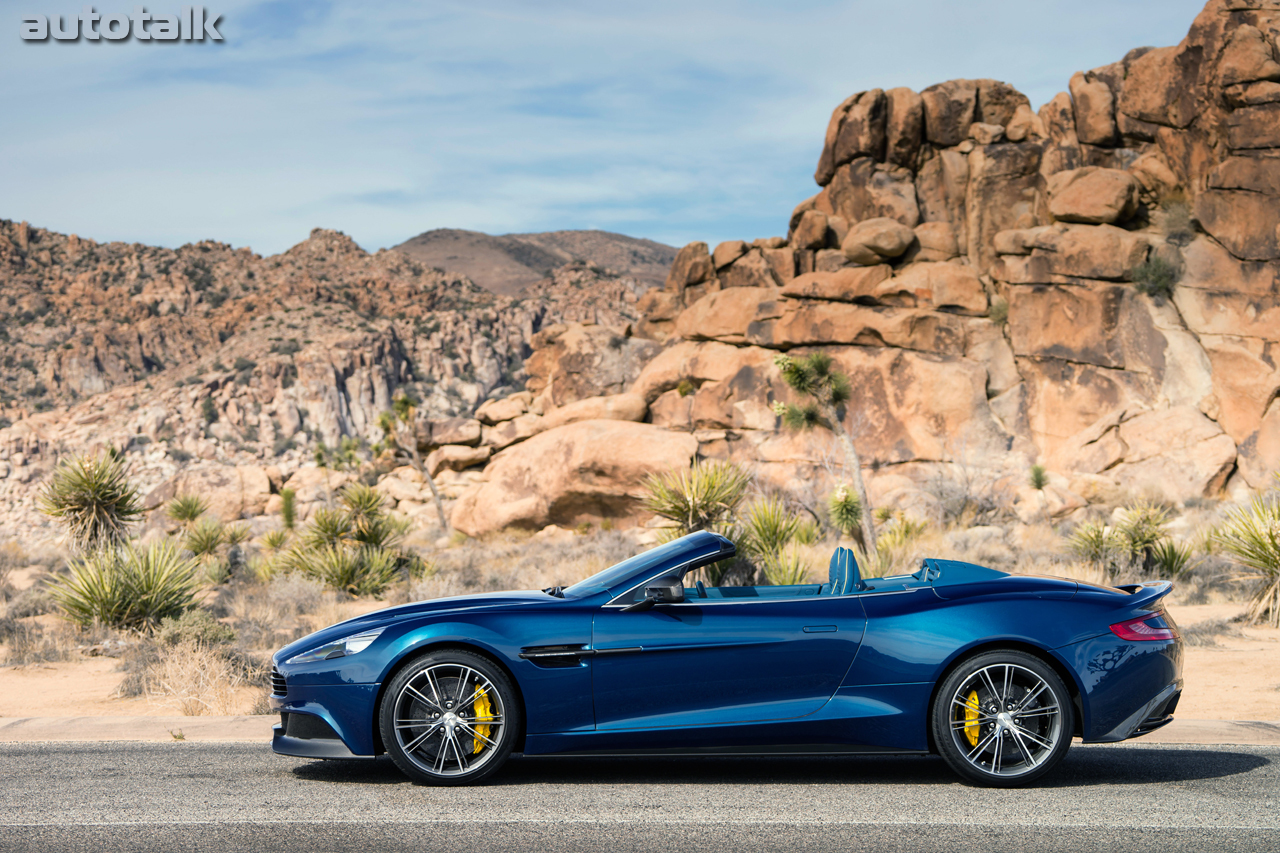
(843, 576)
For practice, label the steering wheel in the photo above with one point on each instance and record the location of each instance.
(702, 589)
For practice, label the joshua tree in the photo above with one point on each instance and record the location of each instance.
(827, 390)
(400, 436)
(94, 499)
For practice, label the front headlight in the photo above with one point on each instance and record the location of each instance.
(338, 648)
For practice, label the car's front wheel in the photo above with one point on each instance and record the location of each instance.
(449, 717)
(1003, 718)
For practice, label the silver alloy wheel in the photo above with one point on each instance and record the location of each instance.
(449, 719)
(1005, 720)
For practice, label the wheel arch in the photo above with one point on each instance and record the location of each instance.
(1044, 655)
(412, 654)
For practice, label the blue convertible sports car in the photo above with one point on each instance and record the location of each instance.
(995, 672)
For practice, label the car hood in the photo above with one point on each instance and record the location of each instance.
(481, 602)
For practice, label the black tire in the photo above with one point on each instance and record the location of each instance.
(1002, 719)
(450, 717)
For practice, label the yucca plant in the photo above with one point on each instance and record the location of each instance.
(358, 571)
(93, 498)
(1039, 477)
(1141, 527)
(827, 392)
(185, 509)
(274, 540)
(768, 527)
(327, 528)
(699, 497)
(1097, 544)
(205, 537)
(1172, 560)
(785, 567)
(807, 532)
(1252, 536)
(844, 508)
(236, 534)
(128, 587)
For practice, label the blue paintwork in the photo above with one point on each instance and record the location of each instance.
(849, 663)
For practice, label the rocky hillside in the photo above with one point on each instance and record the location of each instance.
(506, 264)
(210, 356)
(1090, 287)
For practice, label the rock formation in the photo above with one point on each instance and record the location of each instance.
(1091, 287)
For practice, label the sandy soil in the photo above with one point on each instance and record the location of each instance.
(1237, 679)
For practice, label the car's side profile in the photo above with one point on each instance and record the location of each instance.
(995, 672)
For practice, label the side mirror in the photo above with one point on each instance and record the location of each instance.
(666, 590)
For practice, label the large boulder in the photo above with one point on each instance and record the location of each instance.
(949, 109)
(865, 189)
(1177, 452)
(728, 314)
(951, 287)
(1062, 253)
(863, 132)
(1095, 109)
(811, 323)
(750, 270)
(1093, 195)
(618, 407)
(691, 266)
(850, 284)
(456, 457)
(874, 241)
(810, 231)
(581, 472)
(696, 362)
(905, 126)
(575, 360)
(1241, 205)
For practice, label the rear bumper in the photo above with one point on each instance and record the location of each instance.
(1156, 714)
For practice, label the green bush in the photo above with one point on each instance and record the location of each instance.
(700, 497)
(1039, 478)
(205, 537)
(208, 410)
(93, 499)
(1252, 536)
(127, 587)
(768, 527)
(196, 625)
(185, 509)
(358, 571)
(1155, 277)
(845, 510)
(288, 508)
(785, 567)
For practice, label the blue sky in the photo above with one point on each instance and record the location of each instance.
(676, 121)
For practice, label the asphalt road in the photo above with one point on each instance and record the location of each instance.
(205, 797)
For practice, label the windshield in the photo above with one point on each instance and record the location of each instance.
(638, 564)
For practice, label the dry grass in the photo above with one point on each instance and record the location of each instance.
(197, 680)
(522, 561)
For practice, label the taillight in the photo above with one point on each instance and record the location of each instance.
(1153, 627)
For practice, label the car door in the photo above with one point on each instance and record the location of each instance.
(711, 661)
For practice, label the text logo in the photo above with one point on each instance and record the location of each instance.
(191, 24)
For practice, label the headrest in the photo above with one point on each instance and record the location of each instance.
(842, 575)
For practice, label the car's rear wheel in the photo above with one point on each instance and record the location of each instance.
(1002, 718)
(449, 717)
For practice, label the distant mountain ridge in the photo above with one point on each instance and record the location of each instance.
(507, 263)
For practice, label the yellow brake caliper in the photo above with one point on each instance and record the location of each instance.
(483, 710)
(971, 714)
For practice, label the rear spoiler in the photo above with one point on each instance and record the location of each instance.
(1144, 596)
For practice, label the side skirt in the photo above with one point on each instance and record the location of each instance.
(785, 749)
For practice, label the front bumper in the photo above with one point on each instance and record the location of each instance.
(329, 721)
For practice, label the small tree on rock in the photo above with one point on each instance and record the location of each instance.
(827, 390)
(94, 500)
(400, 436)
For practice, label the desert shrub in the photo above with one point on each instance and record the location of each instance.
(785, 566)
(274, 540)
(1096, 544)
(328, 528)
(185, 509)
(1156, 277)
(294, 593)
(807, 532)
(685, 387)
(236, 534)
(998, 312)
(1251, 535)
(358, 571)
(205, 537)
(1175, 215)
(208, 410)
(242, 363)
(1141, 526)
(1171, 559)
(1207, 633)
(93, 499)
(844, 509)
(32, 601)
(1039, 478)
(11, 557)
(700, 497)
(128, 587)
(196, 625)
(198, 678)
(768, 526)
(27, 643)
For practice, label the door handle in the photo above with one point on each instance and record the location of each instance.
(819, 629)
